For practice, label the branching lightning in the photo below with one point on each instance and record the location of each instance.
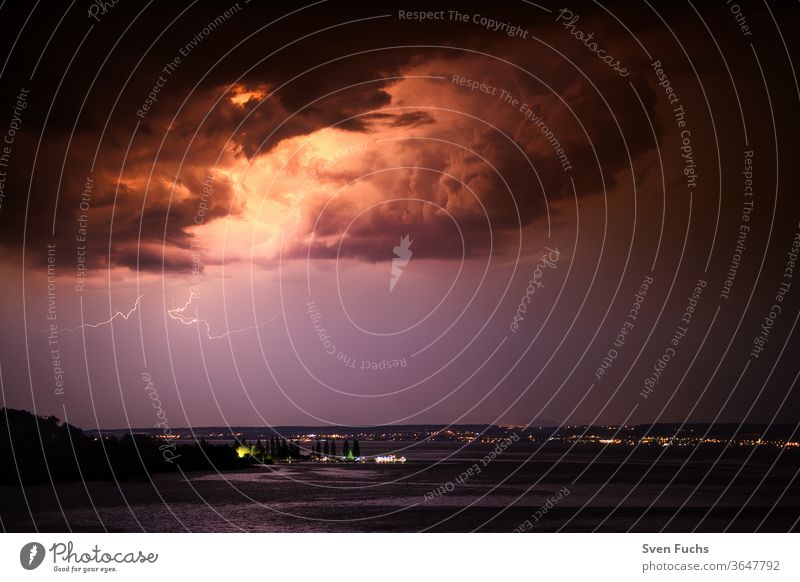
(124, 316)
(179, 314)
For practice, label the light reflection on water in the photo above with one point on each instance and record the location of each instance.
(316, 497)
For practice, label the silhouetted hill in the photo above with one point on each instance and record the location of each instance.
(38, 449)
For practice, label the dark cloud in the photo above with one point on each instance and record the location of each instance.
(314, 78)
(487, 162)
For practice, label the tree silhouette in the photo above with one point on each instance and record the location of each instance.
(333, 448)
(356, 449)
(258, 451)
(66, 453)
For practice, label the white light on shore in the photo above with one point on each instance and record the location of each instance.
(390, 459)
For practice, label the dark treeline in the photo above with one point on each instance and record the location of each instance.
(326, 449)
(275, 449)
(35, 449)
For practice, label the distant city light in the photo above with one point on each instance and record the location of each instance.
(390, 459)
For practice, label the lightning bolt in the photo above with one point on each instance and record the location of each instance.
(179, 314)
(124, 316)
(34, 551)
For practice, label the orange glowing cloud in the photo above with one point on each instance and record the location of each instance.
(243, 95)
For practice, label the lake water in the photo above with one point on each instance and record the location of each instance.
(606, 492)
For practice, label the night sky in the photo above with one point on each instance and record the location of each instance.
(600, 203)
